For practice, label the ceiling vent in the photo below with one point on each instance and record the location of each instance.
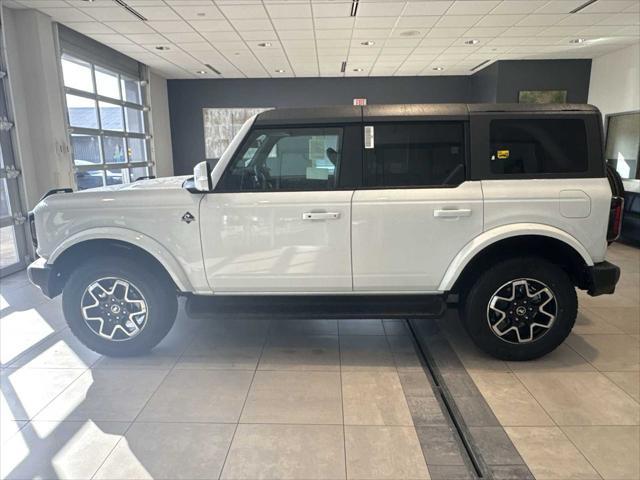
(131, 10)
(584, 5)
(343, 68)
(214, 70)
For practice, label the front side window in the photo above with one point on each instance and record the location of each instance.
(290, 159)
(107, 123)
(538, 146)
(415, 155)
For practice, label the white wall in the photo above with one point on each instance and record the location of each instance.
(615, 81)
(160, 126)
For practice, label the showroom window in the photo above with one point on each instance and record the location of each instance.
(293, 159)
(534, 146)
(418, 155)
(107, 122)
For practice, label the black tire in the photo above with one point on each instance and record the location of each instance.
(159, 294)
(476, 316)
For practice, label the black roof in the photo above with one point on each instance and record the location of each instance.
(426, 111)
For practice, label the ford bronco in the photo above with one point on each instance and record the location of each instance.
(354, 212)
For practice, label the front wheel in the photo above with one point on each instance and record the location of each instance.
(118, 308)
(520, 309)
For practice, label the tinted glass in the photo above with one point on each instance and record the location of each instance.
(107, 83)
(135, 122)
(89, 179)
(623, 144)
(286, 159)
(77, 74)
(429, 154)
(86, 149)
(131, 90)
(82, 112)
(114, 150)
(111, 116)
(534, 146)
(137, 151)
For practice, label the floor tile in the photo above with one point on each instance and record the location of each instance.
(589, 323)
(8, 428)
(286, 452)
(581, 398)
(494, 446)
(384, 453)
(21, 331)
(360, 327)
(562, 359)
(627, 381)
(549, 454)
(440, 445)
(222, 352)
(426, 411)
(374, 398)
(152, 360)
(510, 401)
(61, 350)
(294, 397)
(199, 396)
(450, 472)
(613, 353)
(362, 352)
(27, 391)
(72, 450)
(613, 451)
(303, 327)
(116, 395)
(626, 319)
(169, 451)
(311, 352)
(395, 327)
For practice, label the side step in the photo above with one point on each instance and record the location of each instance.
(316, 306)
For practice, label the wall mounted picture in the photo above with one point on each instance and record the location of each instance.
(542, 96)
(221, 125)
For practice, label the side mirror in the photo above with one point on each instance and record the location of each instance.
(202, 177)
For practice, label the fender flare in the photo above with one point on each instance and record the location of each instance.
(137, 239)
(478, 244)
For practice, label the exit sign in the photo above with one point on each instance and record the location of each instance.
(359, 101)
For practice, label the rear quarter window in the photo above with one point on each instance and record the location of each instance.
(538, 146)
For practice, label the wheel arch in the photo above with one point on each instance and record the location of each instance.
(500, 243)
(134, 245)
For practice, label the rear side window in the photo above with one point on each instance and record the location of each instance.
(538, 146)
(415, 155)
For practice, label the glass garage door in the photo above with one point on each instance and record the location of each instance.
(13, 251)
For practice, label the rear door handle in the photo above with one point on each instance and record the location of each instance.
(321, 215)
(452, 213)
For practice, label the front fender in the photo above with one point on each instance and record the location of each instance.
(151, 246)
(494, 235)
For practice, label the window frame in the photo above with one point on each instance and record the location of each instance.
(342, 173)
(101, 133)
(607, 119)
(439, 120)
(480, 164)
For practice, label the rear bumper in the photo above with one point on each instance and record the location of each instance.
(44, 277)
(602, 278)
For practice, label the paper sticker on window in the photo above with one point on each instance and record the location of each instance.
(503, 154)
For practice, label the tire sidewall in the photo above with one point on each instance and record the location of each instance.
(488, 283)
(160, 299)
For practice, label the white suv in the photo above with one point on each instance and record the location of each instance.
(350, 212)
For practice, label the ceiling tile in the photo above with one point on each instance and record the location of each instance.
(483, 32)
(337, 9)
(417, 22)
(446, 32)
(222, 36)
(583, 19)
(329, 23)
(109, 14)
(380, 9)
(518, 6)
(251, 25)
(499, 20)
(472, 7)
(130, 27)
(427, 8)
(610, 6)
(560, 6)
(67, 14)
(558, 31)
(158, 13)
(90, 27)
(378, 22)
(449, 21)
(292, 23)
(289, 10)
(244, 11)
(375, 34)
(196, 12)
(111, 39)
(620, 19)
(296, 35)
(522, 31)
(185, 37)
(333, 33)
(260, 36)
(211, 25)
(172, 26)
(147, 38)
(536, 20)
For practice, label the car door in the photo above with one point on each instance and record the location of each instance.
(416, 211)
(279, 219)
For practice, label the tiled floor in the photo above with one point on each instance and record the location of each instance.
(308, 399)
(574, 414)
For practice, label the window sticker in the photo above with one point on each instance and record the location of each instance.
(503, 154)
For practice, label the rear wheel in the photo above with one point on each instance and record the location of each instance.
(520, 309)
(118, 308)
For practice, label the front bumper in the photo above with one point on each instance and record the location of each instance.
(44, 277)
(602, 278)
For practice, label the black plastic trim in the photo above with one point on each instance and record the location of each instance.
(602, 278)
(44, 277)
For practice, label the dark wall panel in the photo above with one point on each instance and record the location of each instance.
(187, 98)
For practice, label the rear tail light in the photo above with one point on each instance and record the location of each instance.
(615, 219)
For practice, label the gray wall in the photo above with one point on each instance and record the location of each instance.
(500, 82)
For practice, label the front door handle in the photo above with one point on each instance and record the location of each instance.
(320, 215)
(452, 213)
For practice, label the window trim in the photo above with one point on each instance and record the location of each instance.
(465, 163)
(480, 168)
(245, 140)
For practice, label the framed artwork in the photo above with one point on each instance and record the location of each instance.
(221, 125)
(542, 96)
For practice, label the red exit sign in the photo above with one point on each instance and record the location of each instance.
(359, 101)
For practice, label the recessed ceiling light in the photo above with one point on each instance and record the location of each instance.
(368, 43)
(410, 33)
(472, 42)
(201, 14)
(162, 47)
(577, 40)
(264, 44)
(438, 69)
(279, 70)
(357, 69)
(201, 72)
